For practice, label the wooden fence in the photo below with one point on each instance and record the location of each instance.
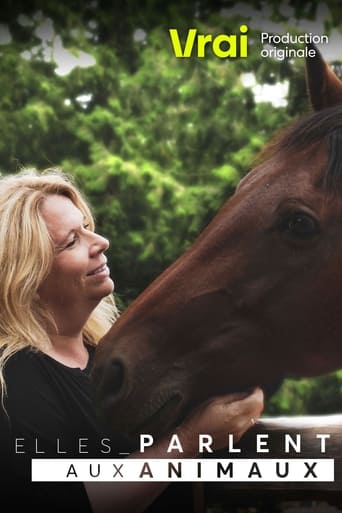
(313, 438)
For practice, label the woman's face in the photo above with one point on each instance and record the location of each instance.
(79, 274)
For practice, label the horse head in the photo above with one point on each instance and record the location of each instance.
(258, 295)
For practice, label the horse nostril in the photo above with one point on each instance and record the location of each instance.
(115, 376)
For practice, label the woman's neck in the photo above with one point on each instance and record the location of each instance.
(69, 350)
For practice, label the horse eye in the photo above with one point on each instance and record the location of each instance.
(300, 226)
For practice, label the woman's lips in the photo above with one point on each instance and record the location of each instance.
(101, 270)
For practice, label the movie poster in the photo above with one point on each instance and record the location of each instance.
(224, 248)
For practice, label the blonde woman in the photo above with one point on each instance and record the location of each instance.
(55, 304)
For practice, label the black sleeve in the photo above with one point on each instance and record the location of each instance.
(46, 401)
(32, 416)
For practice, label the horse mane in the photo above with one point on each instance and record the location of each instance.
(323, 126)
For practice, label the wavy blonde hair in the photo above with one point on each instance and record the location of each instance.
(26, 256)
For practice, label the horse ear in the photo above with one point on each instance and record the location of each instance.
(324, 87)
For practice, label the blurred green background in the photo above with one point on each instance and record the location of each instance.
(156, 143)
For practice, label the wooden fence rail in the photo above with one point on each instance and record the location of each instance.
(313, 438)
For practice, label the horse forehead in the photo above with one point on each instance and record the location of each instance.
(297, 168)
(277, 179)
(266, 187)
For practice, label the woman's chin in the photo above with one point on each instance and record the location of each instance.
(103, 289)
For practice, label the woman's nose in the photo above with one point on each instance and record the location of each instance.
(99, 245)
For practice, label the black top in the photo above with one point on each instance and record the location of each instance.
(49, 407)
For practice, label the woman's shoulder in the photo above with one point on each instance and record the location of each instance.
(33, 376)
(24, 374)
(40, 392)
(34, 363)
(24, 360)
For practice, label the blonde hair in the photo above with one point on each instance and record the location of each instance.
(26, 256)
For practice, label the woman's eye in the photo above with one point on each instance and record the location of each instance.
(71, 243)
(300, 226)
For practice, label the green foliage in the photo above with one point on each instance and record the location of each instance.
(156, 143)
(322, 395)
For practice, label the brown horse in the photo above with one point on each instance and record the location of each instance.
(256, 298)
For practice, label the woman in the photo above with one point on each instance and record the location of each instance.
(55, 304)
